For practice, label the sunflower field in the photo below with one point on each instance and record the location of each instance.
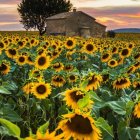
(69, 88)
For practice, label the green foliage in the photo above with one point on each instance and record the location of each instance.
(12, 129)
(34, 13)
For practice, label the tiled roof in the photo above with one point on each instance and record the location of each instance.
(66, 15)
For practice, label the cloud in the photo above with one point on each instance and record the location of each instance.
(10, 1)
(115, 17)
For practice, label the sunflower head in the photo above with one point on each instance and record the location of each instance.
(41, 90)
(58, 81)
(125, 53)
(42, 62)
(5, 67)
(70, 43)
(73, 126)
(137, 110)
(112, 63)
(121, 83)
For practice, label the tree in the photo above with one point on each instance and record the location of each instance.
(111, 34)
(34, 13)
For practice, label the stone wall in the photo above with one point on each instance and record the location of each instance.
(56, 26)
(71, 26)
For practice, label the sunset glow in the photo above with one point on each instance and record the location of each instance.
(113, 14)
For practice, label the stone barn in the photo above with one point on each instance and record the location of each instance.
(76, 23)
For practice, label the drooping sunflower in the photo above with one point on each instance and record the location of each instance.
(58, 81)
(137, 110)
(2, 45)
(89, 48)
(29, 60)
(94, 81)
(105, 57)
(131, 69)
(114, 50)
(125, 53)
(68, 67)
(79, 126)
(121, 83)
(58, 66)
(70, 43)
(137, 56)
(112, 63)
(36, 73)
(41, 90)
(11, 52)
(120, 61)
(72, 96)
(42, 62)
(5, 67)
(21, 59)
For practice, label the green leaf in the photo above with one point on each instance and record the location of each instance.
(117, 106)
(43, 128)
(95, 97)
(13, 130)
(84, 84)
(104, 125)
(9, 114)
(84, 101)
(4, 90)
(129, 107)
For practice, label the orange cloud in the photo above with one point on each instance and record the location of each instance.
(130, 15)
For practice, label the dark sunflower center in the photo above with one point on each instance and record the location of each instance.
(3, 67)
(69, 43)
(137, 56)
(121, 82)
(41, 89)
(72, 77)
(42, 61)
(112, 62)
(80, 125)
(1, 45)
(89, 47)
(37, 74)
(21, 59)
(76, 97)
(125, 52)
(137, 64)
(93, 80)
(114, 50)
(105, 77)
(12, 51)
(32, 41)
(54, 46)
(130, 46)
(105, 56)
(29, 58)
(58, 79)
(138, 85)
(68, 67)
(131, 69)
(55, 53)
(20, 43)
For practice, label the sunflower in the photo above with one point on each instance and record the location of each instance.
(29, 60)
(79, 126)
(27, 88)
(11, 53)
(114, 50)
(21, 44)
(58, 66)
(55, 54)
(47, 136)
(105, 77)
(41, 90)
(68, 68)
(72, 78)
(136, 84)
(42, 62)
(131, 69)
(137, 110)
(36, 73)
(21, 59)
(2, 45)
(70, 43)
(120, 61)
(137, 56)
(112, 63)
(89, 48)
(125, 53)
(94, 81)
(105, 57)
(5, 67)
(58, 81)
(72, 96)
(121, 83)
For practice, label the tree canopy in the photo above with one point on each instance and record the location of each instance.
(34, 13)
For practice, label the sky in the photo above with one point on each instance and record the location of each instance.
(112, 13)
